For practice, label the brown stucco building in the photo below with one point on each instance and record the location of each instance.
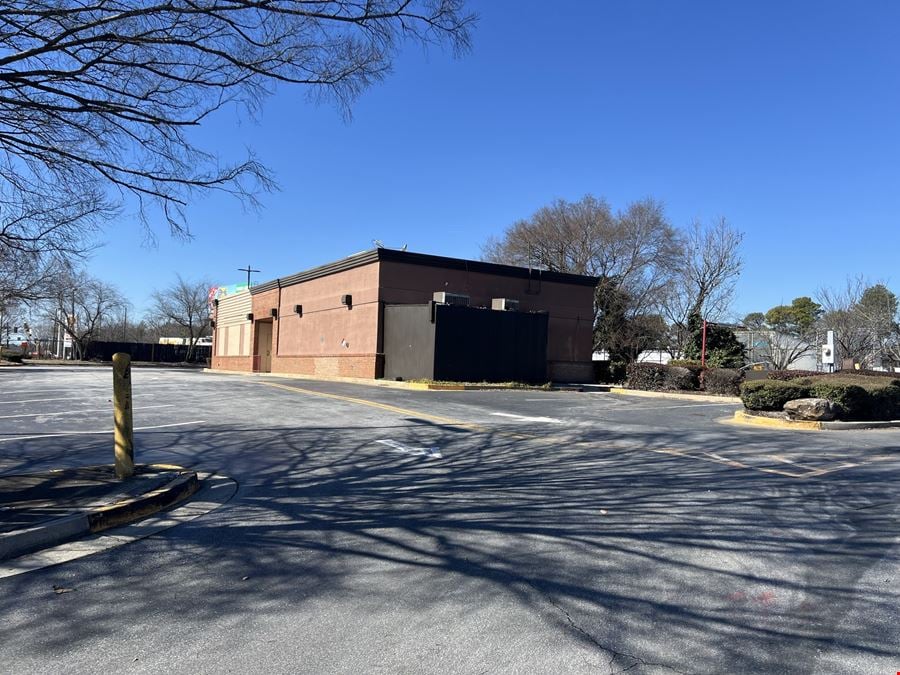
(330, 320)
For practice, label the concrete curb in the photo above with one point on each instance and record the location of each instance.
(743, 417)
(748, 418)
(675, 396)
(60, 530)
(392, 384)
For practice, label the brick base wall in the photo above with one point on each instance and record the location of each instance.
(243, 364)
(372, 366)
(570, 371)
(362, 365)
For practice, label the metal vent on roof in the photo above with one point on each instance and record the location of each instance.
(505, 304)
(446, 298)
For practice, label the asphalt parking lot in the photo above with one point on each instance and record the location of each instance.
(378, 529)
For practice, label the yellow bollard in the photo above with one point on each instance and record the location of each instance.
(122, 415)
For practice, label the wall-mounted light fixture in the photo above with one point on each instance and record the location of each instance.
(212, 323)
(250, 316)
(298, 310)
(274, 312)
(347, 300)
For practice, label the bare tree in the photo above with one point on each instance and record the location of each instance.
(789, 333)
(81, 306)
(39, 235)
(184, 304)
(864, 318)
(840, 305)
(703, 284)
(97, 98)
(633, 252)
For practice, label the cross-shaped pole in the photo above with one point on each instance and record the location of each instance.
(248, 270)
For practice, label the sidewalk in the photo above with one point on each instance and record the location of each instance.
(44, 509)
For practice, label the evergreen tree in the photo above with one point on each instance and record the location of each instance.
(723, 349)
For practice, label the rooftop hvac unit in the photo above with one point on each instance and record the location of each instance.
(505, 304)
(451, 298)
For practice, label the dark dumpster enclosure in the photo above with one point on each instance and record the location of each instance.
(464, 344)
(146, 351)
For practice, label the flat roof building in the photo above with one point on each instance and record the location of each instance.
(344, 319)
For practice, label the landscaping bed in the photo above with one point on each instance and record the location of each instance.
(856, 397)
(685, 377)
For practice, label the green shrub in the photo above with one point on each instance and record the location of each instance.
(11, 356)
(679, 378)
(646, 376)
(885, 403)
(725, 358)
(657, 377)
(609, 372)
(725, 381)
(858, 397)
(854, 401)
(771, 394)
(686, 363)
(723, 349)
(868, 373)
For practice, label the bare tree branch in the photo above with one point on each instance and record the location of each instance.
(633, 252)
(97, 97)
(704, 281)
(81, 306)
(184, 304)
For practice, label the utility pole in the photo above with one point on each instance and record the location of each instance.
(248, 270)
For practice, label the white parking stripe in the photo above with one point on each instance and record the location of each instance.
(73, 412)
(44, 400)
(522, 418)
(103, 431)
(30, 392)
(431, 453)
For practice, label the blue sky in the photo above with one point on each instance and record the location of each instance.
(783, 117)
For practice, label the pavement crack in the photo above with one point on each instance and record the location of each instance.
(638, 661)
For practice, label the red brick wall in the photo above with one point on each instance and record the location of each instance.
(242, 364)
(328, 328)
(331, 365)
(330, 339)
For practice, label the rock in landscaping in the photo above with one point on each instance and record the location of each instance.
(812, 409)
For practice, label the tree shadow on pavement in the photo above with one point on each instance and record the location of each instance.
(643, 557)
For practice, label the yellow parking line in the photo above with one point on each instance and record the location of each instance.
(447, 421)
(718, 459)
(374, 404)
(822, 472)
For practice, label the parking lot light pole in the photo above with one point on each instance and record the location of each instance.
(124, 425)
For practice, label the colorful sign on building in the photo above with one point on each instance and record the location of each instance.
(219, 292)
